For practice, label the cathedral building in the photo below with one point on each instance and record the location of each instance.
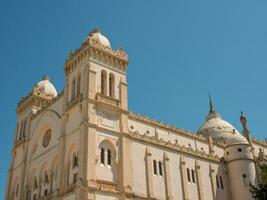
(84, 144)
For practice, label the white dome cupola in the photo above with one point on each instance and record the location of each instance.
(46, 87)
(97, 36)
(220, 130)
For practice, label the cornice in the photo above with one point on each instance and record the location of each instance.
(173, 146)
(164, 125)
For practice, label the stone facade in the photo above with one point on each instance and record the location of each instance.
(84, 143)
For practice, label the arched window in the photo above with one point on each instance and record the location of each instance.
(160, 169)
(111, 85)
(78, 85)
(103, 82)
(73, 87)
(102, 156)
(155, 167)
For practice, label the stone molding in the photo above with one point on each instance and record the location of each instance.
(174, 146)
(107, 100)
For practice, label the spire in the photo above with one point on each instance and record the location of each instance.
(212, 110)
(212, 114)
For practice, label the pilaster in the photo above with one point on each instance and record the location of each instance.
(149, 174)
(184, 178)
(199, 181)
(213, 181)
(169, 195)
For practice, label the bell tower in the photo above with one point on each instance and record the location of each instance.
(95, 76)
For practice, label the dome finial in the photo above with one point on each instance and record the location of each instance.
(212, 110)
(45, 77)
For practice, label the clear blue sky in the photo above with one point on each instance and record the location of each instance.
(179, 51)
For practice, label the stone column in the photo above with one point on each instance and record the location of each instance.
(149, 174)
(199, 181)
(184, 179)
(168, 186)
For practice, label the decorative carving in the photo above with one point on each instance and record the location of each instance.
(47, 138)
(106, 186)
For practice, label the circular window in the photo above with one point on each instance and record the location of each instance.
(47, 138)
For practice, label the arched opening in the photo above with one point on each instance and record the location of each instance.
(107, 167)
(72, 164)
(111, 85)
(103, 82)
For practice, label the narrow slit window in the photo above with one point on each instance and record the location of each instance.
(160, 169)
(103, 82)
(188, 175)
(78, 85)
(102, 156)
(155, 167)
(73, 88)
(217, 182)
(109, 157)
(111, 85)
(193, 176)
(245, 179)
(221, 182)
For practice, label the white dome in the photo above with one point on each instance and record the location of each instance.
(222, 131)
(98, 37)
(46, 87)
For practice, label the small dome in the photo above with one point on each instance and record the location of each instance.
(46, 87)
(98, 37)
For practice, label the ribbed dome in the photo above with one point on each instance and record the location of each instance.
(98, 37)
(46, 87)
